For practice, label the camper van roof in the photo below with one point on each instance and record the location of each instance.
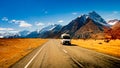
(65, 34)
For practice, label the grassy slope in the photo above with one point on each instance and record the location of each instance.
(11, 50)
(111, 48)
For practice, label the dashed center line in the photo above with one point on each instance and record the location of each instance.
(65, 51)
(73, 58)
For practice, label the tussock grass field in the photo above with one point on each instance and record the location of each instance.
(11, 50)
(111, 48)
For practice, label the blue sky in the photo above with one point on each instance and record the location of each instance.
(17, 15)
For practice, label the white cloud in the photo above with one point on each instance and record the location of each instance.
(50, 23)
(39, 24)
(21, 23)
(74, 13)
(6, 29)
(60, 21)
(24, 24)
(15, 21)
(4, 19)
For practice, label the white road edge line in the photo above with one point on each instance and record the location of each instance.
(34, 57)
(65, 51)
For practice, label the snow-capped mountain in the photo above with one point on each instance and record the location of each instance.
(21, 34)
(9, 35)
(54, 31)
(33, 34)
(97, 18)
(112, 22)
(80, 21)
(24, 33)
(86, 24)
(74, 25)
(82, 18)
(89, 30)
(45, 32)
(48, 28)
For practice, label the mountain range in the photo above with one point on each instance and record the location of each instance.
(90, 25)
(45, 32)
(85, 26)
(113, 32)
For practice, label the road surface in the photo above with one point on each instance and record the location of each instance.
(54, 55)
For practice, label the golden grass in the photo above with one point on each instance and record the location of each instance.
(111, 48)
(11, 50)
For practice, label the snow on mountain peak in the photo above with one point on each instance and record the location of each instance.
(7, 35)
(112, 22)
(24, 33)
(48, 28)
(96, 17)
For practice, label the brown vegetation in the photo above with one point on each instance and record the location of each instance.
(112, 47)
(114, 32)
(11, 50)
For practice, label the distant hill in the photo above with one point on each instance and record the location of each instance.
(113, 32)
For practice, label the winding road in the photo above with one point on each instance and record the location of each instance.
(54, 55)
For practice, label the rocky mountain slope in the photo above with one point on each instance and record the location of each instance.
(113, 32)
(89, 30)
(79, 25)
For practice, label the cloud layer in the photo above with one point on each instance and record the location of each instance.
(60, 21)
(4, 19)
(24, 24)
(39, 24)
(6, 29)
(21, 23)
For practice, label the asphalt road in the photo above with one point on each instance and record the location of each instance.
(54, 55)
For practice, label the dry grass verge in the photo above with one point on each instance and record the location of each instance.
(11, 50)
(111, 48)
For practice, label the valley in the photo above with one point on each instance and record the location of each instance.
(55, 55)
(59, 34)
(13, 51)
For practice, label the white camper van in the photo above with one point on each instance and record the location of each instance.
(65, 39)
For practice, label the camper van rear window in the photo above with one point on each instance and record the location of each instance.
(66, 37)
